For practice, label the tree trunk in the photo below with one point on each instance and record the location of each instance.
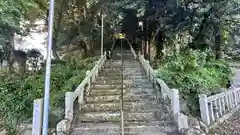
(203, 24)
(54, 50)
(159, 44)
(11, 46)
(218, 42)
(57, 31)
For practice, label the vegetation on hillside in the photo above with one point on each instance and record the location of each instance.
(192, 39)
(17, 95)
(193, 73)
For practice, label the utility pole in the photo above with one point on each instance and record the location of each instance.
(101, 33)
(122, 99)
(48, 69)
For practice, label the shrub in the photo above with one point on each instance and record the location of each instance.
(17, 95)
(193, 73)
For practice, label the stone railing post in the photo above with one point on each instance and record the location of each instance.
(227, 100)
(182, 122)
(139, 57)
(148, 69)
(154, 81)
(89, 81)
(105, 53)
(175, 103)
(37, 117)
(80, 97)
(164, 90)
(235, 98)
(98, 68)
(63, 127)
(69, 106)
(204, 110)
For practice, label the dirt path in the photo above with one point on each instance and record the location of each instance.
(230, 126)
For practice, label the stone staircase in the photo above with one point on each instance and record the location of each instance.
(143, 113)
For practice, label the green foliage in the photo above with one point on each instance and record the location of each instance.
(194, 73)
(16, 96)
(12, 18)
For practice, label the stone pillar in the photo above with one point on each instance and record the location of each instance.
(69, 106)
(175, 103)
(204, 109)
(37, 117)
(63, 127)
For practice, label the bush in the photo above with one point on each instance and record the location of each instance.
(193, 73)
(16, 95)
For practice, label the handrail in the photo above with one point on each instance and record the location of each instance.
(222, 94)
(132, 50)
(165, 92)
(90, 74)
(64, 126)
(214, 108)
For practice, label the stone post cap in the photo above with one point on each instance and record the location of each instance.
(88, 72)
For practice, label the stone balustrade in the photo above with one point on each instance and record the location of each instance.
(64, 126)
(165, 92)
(215, 107)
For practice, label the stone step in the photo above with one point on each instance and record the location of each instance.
(151, 123)
(142, 90)
(139, 116)
(98, 117)
(125, 73)
(115, 98)
(118, 55)
(119, 86)
(164, 122)
(105, 92)
(94, 107)
(128, 58)
(96, 129)
(115, 129)
(124, 61)
(128, 53)
(118, 69)
(108, 86)
(119, 64)
(140, 105)
(124, 77)
(124, 53)
(124, 58)
(150, 130)
(119, 81)
(116, 106)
